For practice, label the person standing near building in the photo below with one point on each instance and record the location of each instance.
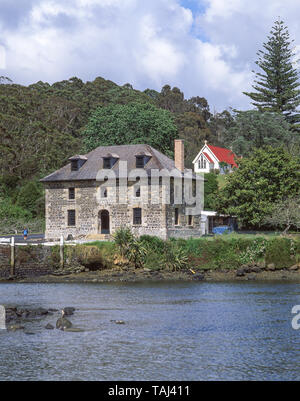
(25, 233)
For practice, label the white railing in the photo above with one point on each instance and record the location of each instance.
(5, 240)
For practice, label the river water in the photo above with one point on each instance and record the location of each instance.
(181, 331)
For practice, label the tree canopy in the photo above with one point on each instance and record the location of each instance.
(254, 129)
(276, 87)
(132, 123)
(268, 176)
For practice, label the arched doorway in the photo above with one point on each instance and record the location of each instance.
(104, 226)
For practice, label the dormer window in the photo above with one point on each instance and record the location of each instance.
(74, 165)
(77, 162)
(140, 161)
(109, 161)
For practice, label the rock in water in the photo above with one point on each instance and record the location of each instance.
(63, 323)
(15, 327)
(240, 273)
(74, 330)
(49, 327)
(69, 311)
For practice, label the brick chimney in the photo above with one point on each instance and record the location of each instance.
(179, 154)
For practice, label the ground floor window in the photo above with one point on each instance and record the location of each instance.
(176, 217)
(190, 220)
(71, 218)
(137, 216)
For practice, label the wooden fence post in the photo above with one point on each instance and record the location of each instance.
(62, 252)
(12, 256)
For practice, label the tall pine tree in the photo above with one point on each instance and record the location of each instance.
(277, 85)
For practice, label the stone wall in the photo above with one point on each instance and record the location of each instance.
(30, 261)
(157, 218)
(4, 261)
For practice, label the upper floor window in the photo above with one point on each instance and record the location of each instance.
(109, 160)
(71, 193)
(104, 192)
(77, 162)
(74, 165)
(137, 190)
(140, 161)
(106, 163)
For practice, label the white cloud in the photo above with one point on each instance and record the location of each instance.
(2, 58)
(223, 8)
(148, 44)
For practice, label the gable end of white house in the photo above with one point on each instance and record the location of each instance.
(200, 167)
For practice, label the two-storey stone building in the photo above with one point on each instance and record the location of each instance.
(118, 186)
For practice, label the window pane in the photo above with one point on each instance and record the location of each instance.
(74, 165)
(71, 218)
(140, 162)
(104, 192)
(107, 163)
(176, 217)
(71, 193)
(137, 216)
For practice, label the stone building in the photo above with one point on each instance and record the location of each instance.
(116, 186)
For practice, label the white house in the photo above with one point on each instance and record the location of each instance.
(213, 158)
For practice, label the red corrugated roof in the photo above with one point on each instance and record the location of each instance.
(208, 158)
(224, 155)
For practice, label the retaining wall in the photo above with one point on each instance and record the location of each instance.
(30, 260)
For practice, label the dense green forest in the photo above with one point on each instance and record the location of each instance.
(42, 125)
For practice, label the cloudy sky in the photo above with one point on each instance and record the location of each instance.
(204, 47)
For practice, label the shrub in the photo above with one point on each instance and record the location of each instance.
(153, 260)
(129, 246)
(220, 253)
(210, 190)
(174, 257)
(31, 198)
(280, 252)
(255, 251)
(107, 250)
(14, 218)
(154, 244)
(88, 256)
(123, 239)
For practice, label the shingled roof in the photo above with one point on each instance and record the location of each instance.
(127, 153)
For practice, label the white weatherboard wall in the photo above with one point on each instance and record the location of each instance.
(209, 166)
